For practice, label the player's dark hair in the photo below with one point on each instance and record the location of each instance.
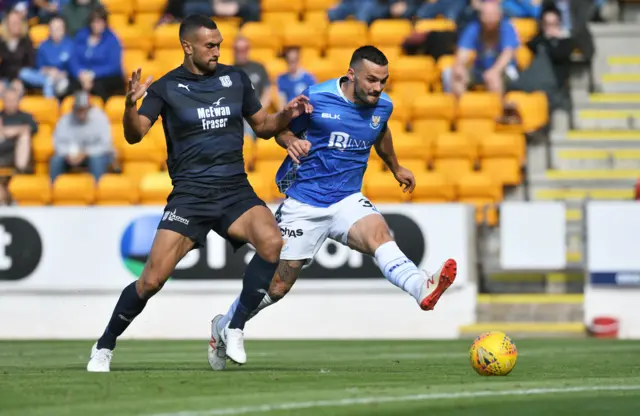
(194, 22)
(369, 53)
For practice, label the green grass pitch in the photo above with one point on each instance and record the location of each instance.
(301, 378)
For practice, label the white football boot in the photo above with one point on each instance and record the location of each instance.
(234, 340)
(217, 349)
(100, 361)
(436, 284)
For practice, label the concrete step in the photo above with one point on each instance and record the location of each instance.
(623, 64)
(622, 82)
(629, 139)
(616, 119)
(520, 330)
(606, 101)
(551, 192)
(530, 308)
(563, 158)
(596, 177)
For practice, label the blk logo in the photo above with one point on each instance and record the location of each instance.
(20, 248)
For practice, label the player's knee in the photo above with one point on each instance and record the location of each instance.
(269, 248)
(151, 281)
(379, 236)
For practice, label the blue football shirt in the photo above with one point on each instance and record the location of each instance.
(293, 85)
(341, 135)
(488, 55)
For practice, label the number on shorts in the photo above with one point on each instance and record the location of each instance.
(278, 213)
(367, 204)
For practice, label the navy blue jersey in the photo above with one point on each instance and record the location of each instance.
(341, 135)
(202, 118)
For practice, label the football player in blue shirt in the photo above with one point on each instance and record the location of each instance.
(328, 151)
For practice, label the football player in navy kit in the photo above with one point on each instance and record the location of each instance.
(202, 104)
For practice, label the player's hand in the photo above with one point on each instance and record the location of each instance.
(298, 106)
(137, 89)
(406, 178)
(298, 148)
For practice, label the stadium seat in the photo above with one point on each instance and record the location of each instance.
(279, 20)
(67, 103)
(42, 144)
(269, 150)
(74, 189)
(137, 170)
(533, 107)
(114, 108)
(309, 54)
(38, 34)
(396, 126)
(382, 187)
(147, 20)
(432, 187)
(414, 165)
(132, 59)
(29, 190)
(261, 35)
(275, 68)
(267, 6)
(435, 25)
(480, 105)
(116, 189)
(411, 146)
(135, 37)
(409, 90)
(149, 6)
(319, 5)
(434, 107)
(144, 151)
(526, 29)
(481, 191)
(340, 56)
(248, 152)
(229, 31)
(268, 169)
(504, 145)
(415, 68)
(317, 19)
(262, 55)
(401, 108)
(476, 129)
(44, 110)
(118, 6)
(502, 157)
(375, 162)
(454, 155)
(350, 33)
(392, 52)
(524, 57)
(169, 58)
(325, 69)
(155, 188)
(389, 32)
(118, 20)
(261, 185)
(503, 170)
(303, 35)
(166, 37)
(430, 129)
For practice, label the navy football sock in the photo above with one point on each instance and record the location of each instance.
(128, 307)
(255, 284)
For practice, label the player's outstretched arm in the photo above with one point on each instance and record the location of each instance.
(296, 147)
(268, 125)
(384, 148)
(135, 125)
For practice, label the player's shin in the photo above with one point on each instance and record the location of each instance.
(128, 307)
(398, 269)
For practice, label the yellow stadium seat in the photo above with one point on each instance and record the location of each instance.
(504, 145)
(432, 187)
(42, 144)
(155, 188)
(317, 19)
(503, 170)
(132, 59)
(303, 35)
(414, 165)
(29, 190)
(434, 106)
(414, 68)
(146, 20)
(347, 34)
(166, 37)
(67, 103)
(261, 35)
(268, 169)
(533, 107)
(410, 90)
(430, 129)
(396, 126)
(269, 150)
(392, 52)
(44, 110)
(117, 139)
(401, 108)
(279, 20)
(114, 108)
(340, 56)
(382, 187)
(149, 6)
(261, 185)
(169, 57)
(526, 29)
(476, 129)
(454, 145)
(308, 54)
(144, 151)
(118, 20)
(325, 69)
(524, 56)
(248, 152)
(480, 190)
(268, 6)
(138, 170)
(74, 189)
(262, 55)
(275, 68)
(38, 34)
(435, 25)
(389, 32)
(375, 163)
(229, 31)
(479, 105)
(411, 146)
(135, 37)
(118, 6)
(116, 190)
(319, 5)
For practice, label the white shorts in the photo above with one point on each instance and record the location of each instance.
(305, 227)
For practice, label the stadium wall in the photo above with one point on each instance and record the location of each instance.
(62, 269)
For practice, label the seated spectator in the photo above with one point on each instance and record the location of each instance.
(295, 80)
(82, 138)
(525, 9)
(76, 14)
(575, 17)
(50, 72)
(45, 10)
(96, 61)
(16, 50)
(256, 73)
(16, 129)
(449, 9)
(247, 10)
(364, 10)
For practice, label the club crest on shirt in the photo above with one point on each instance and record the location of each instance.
(375, 122)
(225, 80)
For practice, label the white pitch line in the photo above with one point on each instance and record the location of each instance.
(390, 399)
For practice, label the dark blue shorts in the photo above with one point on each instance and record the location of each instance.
(193, 211)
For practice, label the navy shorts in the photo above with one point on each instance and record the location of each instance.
(193, 211)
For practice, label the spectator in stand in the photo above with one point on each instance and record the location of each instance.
(16, 129)
(247, 10)
(50, 72)
(47, 9)
(293, 82)
(364, 10)
(575, 17)
(16, 50)
(76, 14)
(527, 9)
(256, 73)
(173, 11)
(406, 9)
(82, 138)
(96, 61)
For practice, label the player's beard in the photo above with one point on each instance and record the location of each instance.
(361, 95)
(204, 66)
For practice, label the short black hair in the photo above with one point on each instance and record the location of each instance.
(194, 22)
(551, 8)
(369, 53)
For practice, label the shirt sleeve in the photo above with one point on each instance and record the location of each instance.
(152, 104)
(250, 100)
(469, 37)
(300, 124)
(509, 37)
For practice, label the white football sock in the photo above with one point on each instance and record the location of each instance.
(266, 301)
(398, 269)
